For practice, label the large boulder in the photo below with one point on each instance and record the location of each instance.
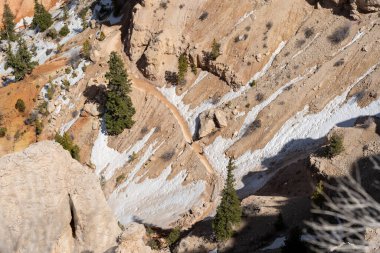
(210, 121)
(51, 203)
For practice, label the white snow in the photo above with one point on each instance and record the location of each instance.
(251, 117)
(107, 160)
(297, 134)
(276, 244)
(68, 125)
(191, 114)
(241, 20)
(156, 201)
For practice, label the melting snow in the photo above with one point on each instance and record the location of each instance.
(298, 133)
(156, 201)
(107, 160)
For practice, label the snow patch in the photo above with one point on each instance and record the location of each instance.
(157, 201)
(107, 160)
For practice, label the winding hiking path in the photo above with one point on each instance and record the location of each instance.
(145, 86)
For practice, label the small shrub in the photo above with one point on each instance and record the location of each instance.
(120, 179)
(66, 84)
(171, 77)
(17, 135)
(339, 63)
(20, 105)
(64, 31)
(269, 25)
(252, 83)
(259, 97)
(67, 143)
(340, 34)
(39, 127)
(102, 36)
(173, 236)
(317, 196)
(3, 131)
(82, 15)
(167, 156)
(42, 108)
(181, 6)
(133, 157)
(50, 92)
(203, 16)
(335, 146)
(308, 32)
(215, 50)
(183, 65)
(52, 33)
(86, 50)
(144, 130)
(253, 127)
(164, 5)
(68, 70)
(154, 244)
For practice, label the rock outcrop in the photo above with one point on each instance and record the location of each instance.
(210, 121)
(132, 240)
(51, 203)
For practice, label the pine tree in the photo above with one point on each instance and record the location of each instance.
(119, 107)
(8, 30)
(42, 18)
(21, 62)
(229, 211)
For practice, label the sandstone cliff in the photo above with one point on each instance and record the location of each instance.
(51, 203)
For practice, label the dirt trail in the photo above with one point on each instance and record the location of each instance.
(145, 86)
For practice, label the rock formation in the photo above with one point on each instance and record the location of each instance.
(51, 203)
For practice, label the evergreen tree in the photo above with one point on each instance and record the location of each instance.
(229, 211)
(21, 62)
(8, 30)
(119, 107)
(42, 18)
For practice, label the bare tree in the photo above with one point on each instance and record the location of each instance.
(349, 215)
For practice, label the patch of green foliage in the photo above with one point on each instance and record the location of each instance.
(20, 105)
(86, 50)
(335, 146)
(67, 143)
(8, 30)
(82, 15)
(52, 33)
(215, 50)
(39, 127)
(3, 131)
(42, 18)
(229, 211)
(173, 236)
(64, 31)
(317, 196)
(21, 61)
(119, 108)
(183, 65)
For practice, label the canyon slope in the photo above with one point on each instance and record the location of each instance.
(285, 73)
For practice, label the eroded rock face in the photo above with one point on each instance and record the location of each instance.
(363, 5)
(132, 240)
(51, 203)
(210, 121)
